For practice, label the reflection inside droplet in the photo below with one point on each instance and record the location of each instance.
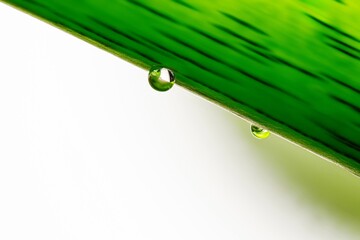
(259, 133)
(161, 79)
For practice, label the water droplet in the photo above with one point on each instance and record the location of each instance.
(259, 133)
(161, 79)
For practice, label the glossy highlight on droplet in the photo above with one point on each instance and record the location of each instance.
(259, 133)
(161, 79)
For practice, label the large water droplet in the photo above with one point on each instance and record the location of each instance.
(161, 79)
(259, 133)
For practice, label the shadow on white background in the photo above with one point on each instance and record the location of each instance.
(89, 151)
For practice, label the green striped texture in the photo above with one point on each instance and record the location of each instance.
(289, 66)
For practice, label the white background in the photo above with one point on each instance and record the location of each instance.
(89, 151)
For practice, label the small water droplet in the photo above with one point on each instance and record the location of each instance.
(259, 133)
(161, 79)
